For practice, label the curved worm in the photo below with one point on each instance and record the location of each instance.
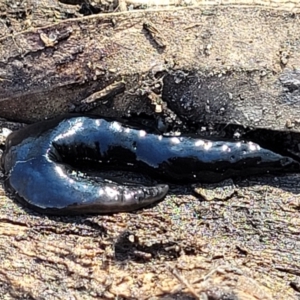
(51, 166)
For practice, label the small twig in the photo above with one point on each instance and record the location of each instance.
(156, 35)
(112, 89)
(184, 281)
(193, 26)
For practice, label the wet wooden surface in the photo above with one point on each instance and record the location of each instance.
(236, 65)
(215, 64)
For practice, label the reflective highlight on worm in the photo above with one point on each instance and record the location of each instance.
(52, 166)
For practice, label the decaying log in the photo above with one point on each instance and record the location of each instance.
(218, 65)
(227, 64)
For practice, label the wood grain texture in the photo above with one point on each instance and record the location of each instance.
(240, 66)
(234, 62)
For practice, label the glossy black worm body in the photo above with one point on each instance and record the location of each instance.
(51, 166)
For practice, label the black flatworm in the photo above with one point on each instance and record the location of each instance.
(52, 165)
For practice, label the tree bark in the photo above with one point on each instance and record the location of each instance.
(232, 64)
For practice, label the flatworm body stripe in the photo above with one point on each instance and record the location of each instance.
(46, 164)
